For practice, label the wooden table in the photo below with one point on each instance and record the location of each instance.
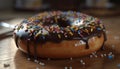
(12, 58)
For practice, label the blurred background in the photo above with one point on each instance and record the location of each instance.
(94, 7)
(14, 11)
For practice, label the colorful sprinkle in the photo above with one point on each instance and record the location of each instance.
(98, 29)
(110, 57)
(71, 33)
(59, 36)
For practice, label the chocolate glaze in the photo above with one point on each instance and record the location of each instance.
(57, 27)
(105, 38)
(86, 41)
(16, 40)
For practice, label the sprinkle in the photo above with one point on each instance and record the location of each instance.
(118, 65)
(37, 68)
(102, 55)
(43, 21)
(48, 59)
(78, 31)
(107, 32)
(67, 29)
(76, 45)
(105, 55)
(66, 68)
(41, 63)
(93, 53)
(72, 29)
(81, 42)
(81, 35)
(63, 19)
(101, 26)
(87, 31)
(51, 21)
(71, 58)
(110, 53)
(93, 23)
(56, 19)
(37, 34)
(62, 31)
(61, 28)
(113, 46)
(58, 31)
(36, 61)
(81, 61)
(18, 28)
(28, 59)
(96, 56)
(25, 21)
(116, 37)
(71, 33)
(59, 36)
(110, 57)
(98, 28)
(91, 29)
(39, 17)
(53, 31)
(37, 21)
(76, 28)
(39, 25)
(91, 56)
(70, 67)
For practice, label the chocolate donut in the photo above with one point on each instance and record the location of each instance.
(57, 34)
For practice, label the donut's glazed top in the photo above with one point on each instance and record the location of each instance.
(57, 26)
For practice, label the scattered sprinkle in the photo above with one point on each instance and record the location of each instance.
(116, 37)
(91, 56)
(65, 67)
(28, 59)
(105, 55)
(110, 57)
(70, 67)
(81, 61)
(113, 46)
(36, 61)
(71, 58)
(102, 55)
(48, 59)
(96, 56)
(118, 65)
(42, 64)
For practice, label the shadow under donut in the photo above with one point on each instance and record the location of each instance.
(85, 62)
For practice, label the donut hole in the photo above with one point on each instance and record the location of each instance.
(63, 23)
(60, 22)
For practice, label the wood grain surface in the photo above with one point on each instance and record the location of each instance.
(12, 58)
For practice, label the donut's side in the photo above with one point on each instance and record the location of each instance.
(64, 49)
